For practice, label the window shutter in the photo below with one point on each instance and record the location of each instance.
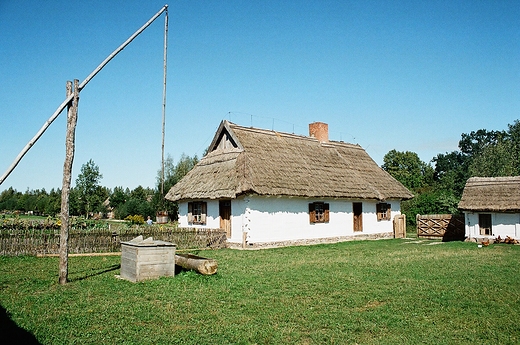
(388, 211)
(190, 212)
(312, 213)
(203, 215)
(326, 208)
(378, 212)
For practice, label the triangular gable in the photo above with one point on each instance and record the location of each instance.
(225, 139)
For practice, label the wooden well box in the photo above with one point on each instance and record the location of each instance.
(147, 259)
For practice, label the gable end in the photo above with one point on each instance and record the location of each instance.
(224, 139)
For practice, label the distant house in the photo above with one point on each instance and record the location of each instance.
(491, 206)
(269, 188)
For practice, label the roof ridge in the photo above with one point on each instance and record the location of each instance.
(296, 136)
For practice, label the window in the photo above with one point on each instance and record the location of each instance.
(319, 212)
(197, 212)
(383, 211)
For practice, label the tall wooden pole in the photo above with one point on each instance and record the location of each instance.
(72, 118)
(164, 99)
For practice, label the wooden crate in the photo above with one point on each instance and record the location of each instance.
(147, 259)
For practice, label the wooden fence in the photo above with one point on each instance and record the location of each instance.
(47, 241)
(448, 227)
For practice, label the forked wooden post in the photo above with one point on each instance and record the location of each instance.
(72, 118)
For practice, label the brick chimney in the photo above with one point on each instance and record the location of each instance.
(320, 131)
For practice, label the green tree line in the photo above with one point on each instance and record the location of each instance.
(88, 198)
(438, 185)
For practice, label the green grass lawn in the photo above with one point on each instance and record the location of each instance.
(366, 292)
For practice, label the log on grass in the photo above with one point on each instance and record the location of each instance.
(193, 262)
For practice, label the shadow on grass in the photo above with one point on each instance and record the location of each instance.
(12, 333)
(93, 273)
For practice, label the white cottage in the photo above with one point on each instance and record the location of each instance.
(268, 188)
(491, 207)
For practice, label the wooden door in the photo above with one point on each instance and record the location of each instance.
(357, 208)
(484, 223)
(225, 216)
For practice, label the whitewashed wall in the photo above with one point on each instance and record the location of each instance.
(271, 219)
(502, 224)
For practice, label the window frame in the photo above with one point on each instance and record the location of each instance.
(197, 212)
(384, 211)
(323, 214)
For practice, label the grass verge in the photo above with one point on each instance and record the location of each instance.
(367, 292)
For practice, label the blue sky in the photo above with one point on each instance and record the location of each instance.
(404, 75)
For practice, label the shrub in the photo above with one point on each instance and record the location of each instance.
(135, 219)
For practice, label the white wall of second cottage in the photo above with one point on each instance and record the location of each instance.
(472, 229)
(505, 224)
(502, 224)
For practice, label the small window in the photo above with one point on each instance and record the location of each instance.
(197, 212)
(383, 211)
(319, 212)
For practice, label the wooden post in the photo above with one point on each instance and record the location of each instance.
(72, 118)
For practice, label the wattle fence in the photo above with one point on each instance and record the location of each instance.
(43, 239)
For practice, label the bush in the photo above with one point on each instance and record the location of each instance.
(436, 202)
(135, 219)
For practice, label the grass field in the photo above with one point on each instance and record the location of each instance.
(366, 292)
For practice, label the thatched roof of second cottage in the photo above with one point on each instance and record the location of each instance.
(250, 160)
(491, 194)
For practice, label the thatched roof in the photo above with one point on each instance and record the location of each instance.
(249, 160)
(491, 194)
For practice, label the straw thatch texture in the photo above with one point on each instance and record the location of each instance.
(271, 163)
(491, 194)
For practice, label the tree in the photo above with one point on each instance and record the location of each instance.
(514, 136)
(408, 168)
(53, 205)
(495, 160)
(9, 199)
(118, 197)
(173, 173)
(452, 171)
(474, 143)
(89, 191)
(482, 153)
